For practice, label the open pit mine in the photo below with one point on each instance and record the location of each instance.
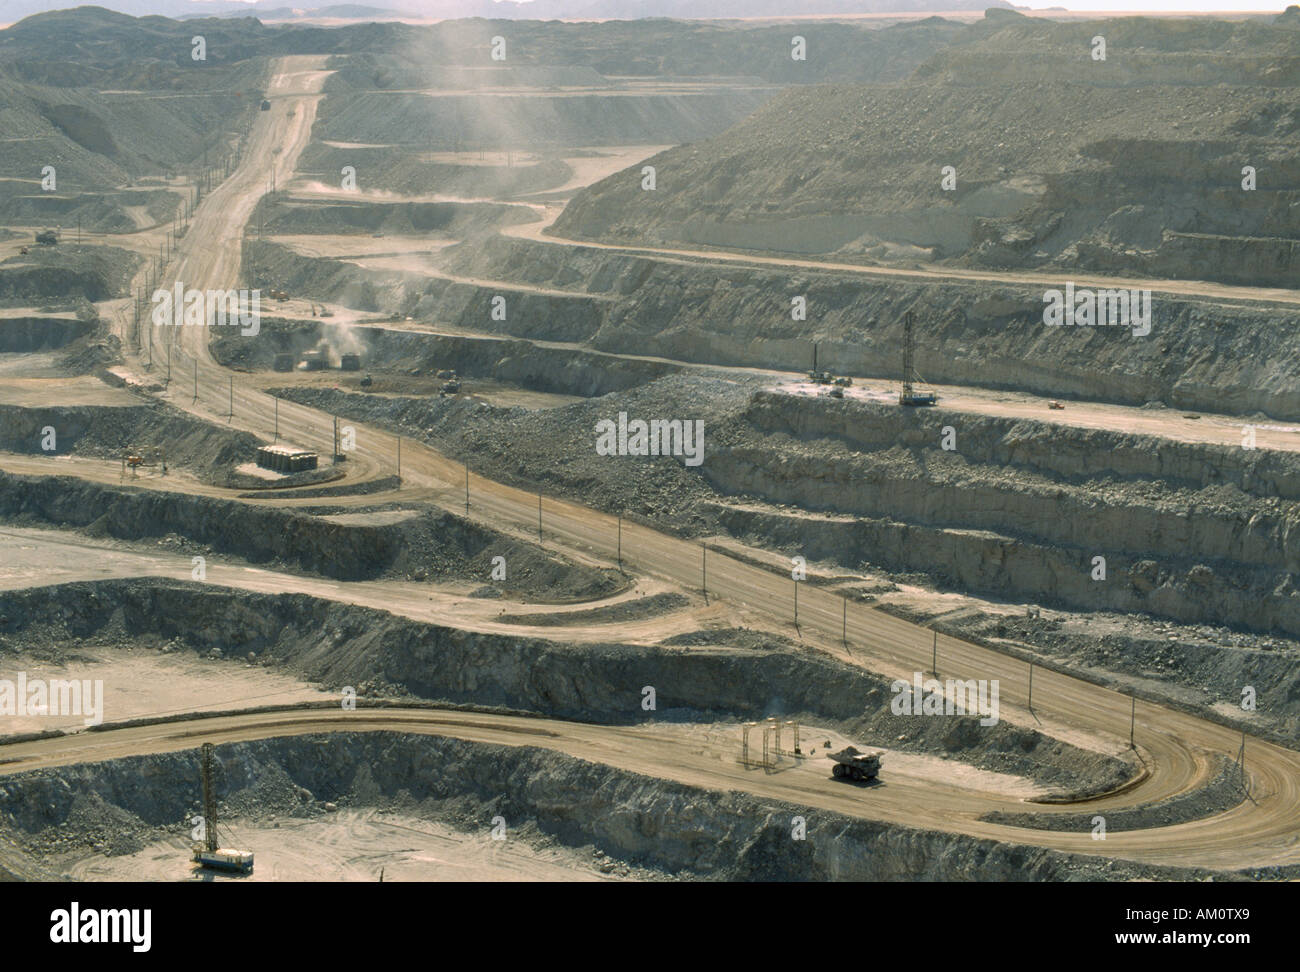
(824, 445)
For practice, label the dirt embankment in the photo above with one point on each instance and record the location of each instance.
(428, 544)
(22, 334)
(66, 272)
(1200, 354)
(1017, 512)
(406, 169)
(668, 827)
(1197, 533)
(384, 656)
(1223, 792)
(550, 316)
(1051, 158)
(155, 429)
(559, 370)
(448, 220)
(1200, 533)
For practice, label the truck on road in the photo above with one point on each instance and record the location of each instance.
(853, 764)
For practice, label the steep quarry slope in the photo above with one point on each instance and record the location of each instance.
(1197, 533)
(648, 82)
(688, 832)
(526, 119)
(408, 170)
(1018, 510)
(66, 273)
(1131, 163)
(453, 54)
(388, 657)
(107, 99)
(1230, 357)
(1237, 358)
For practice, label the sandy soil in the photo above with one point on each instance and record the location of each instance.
(1169, 423)
(352, 846)
(43, 392)
(146, 683)
(29, 558)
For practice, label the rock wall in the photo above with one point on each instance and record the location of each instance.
(1224, 356)
(684, 831)
(385, 656)
(1200, 533)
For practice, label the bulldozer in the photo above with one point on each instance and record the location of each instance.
(852, 763)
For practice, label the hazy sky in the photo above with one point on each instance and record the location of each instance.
(1116, 6)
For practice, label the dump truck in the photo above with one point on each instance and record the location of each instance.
(283, 361)
(1055, 404)
(350, 362)
(852, 763)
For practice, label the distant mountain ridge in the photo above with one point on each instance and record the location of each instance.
(15, 10)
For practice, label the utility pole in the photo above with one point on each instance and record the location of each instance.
(196, 378)
(934, 656)
(399, 458)
(232, 396)
(796, 604)
(844, 629)
(704, 569)
(1031, 685)
(1132, 723)
(1241, 759)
